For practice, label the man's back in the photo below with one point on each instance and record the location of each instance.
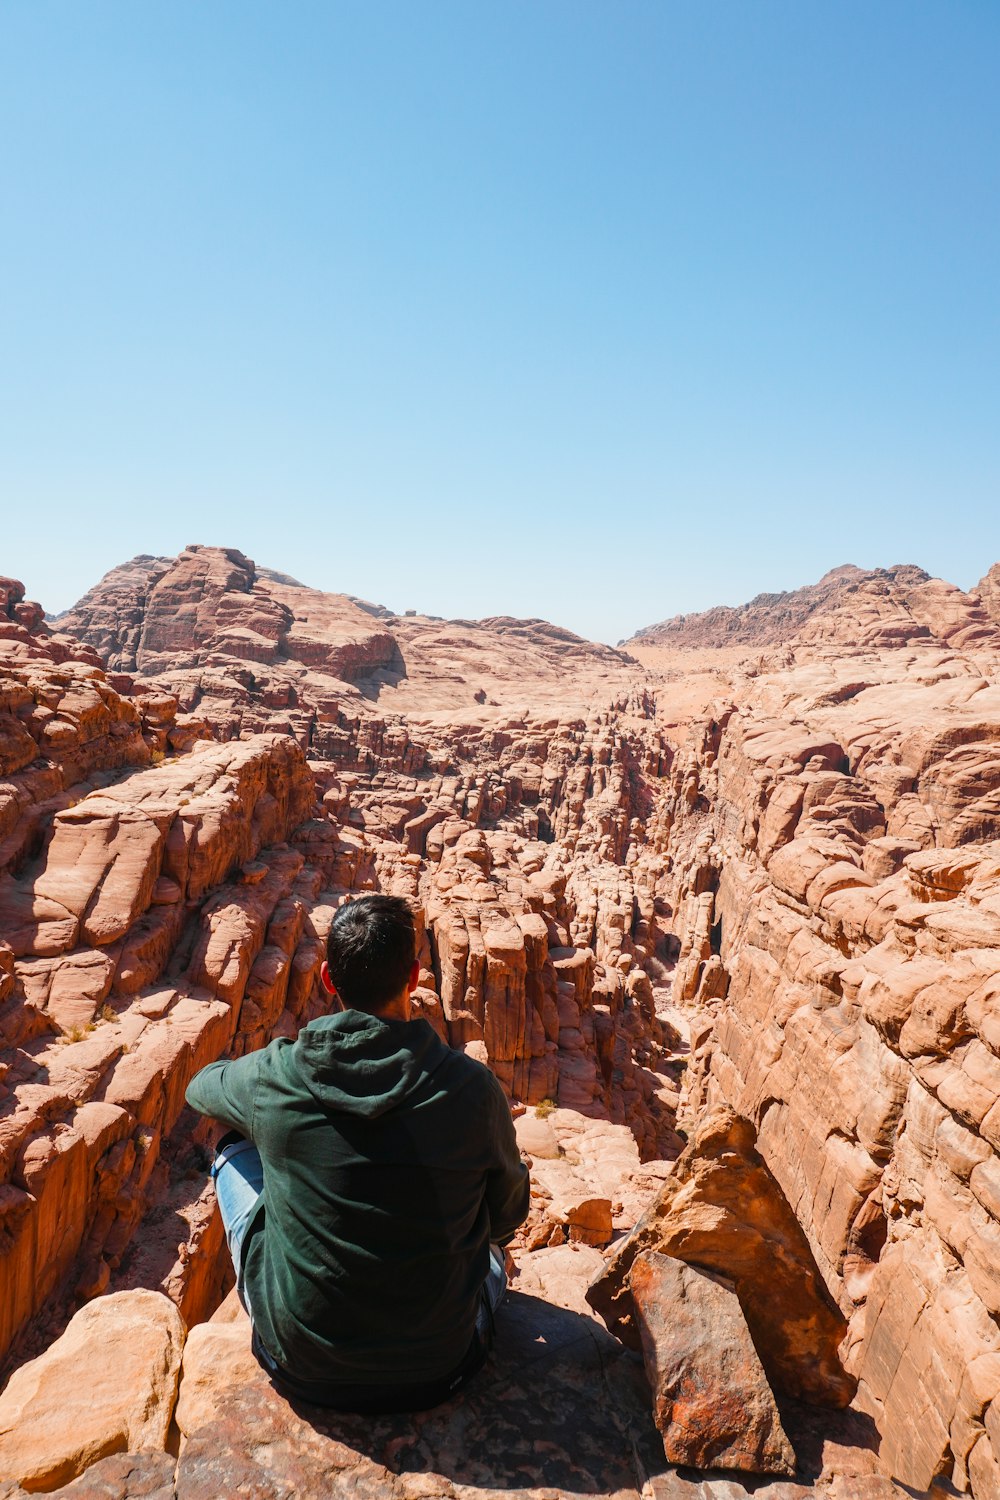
(390, 1162)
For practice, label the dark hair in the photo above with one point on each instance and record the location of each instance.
(370, 951)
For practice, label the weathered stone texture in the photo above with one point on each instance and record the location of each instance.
(108, 1384)
(711, 1399)
(721, 1210)
(752, 863)
(171, 910)
(834, 838)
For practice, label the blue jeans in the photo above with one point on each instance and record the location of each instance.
(239, 1181)
(238, 1174)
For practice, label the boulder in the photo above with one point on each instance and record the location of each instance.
(107, 1385)
(712, 1402)
(722, 1210)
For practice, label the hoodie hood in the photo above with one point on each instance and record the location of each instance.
(362, 1065)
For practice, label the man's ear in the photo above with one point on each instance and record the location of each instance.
(414, 978)
(327, 982)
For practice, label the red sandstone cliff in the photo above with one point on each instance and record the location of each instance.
(775, 830)
(834, 831)
(160, 909)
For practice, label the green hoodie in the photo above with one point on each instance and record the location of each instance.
(390, 1162)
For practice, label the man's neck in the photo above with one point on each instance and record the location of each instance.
(397, 1009)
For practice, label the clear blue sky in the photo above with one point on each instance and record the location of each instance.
(594, 311)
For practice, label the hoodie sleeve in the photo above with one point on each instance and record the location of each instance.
(227, 1091)
(508, 1186)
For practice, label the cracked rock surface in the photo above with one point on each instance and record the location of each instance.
(748, 864)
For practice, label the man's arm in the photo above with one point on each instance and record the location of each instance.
(226, 1090)
(508, 1186)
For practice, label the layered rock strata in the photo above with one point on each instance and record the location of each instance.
(836, 890)
(752, 866)
(159, 910)
(128, 944)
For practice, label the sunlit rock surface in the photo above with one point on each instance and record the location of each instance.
(750, 863)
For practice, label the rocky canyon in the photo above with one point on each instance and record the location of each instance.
(719, 907)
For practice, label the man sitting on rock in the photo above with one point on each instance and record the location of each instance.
(367, 1187)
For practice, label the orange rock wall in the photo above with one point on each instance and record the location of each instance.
(836, 884)
(160, 910)
(103, 1021)
(810, 877)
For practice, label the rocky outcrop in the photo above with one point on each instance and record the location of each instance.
(130, 942)
(833, 837)
(721, 1210)
(109, 617)
(988, 589)
(757, 878)
(136, 894)
(26, 636)
(108, 1385)
(497, 810)
(250, 650)
(560, 1407)
(711, 1399)
(160, 910)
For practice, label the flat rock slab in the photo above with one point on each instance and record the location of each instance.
(712, 1402)
(560, 1406)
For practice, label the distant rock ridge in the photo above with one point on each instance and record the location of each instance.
(864, 609)
(247, 652)
(155, 614)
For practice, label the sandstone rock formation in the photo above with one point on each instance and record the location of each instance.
(882, 608)
(750, 865)
(561, 1408)
(158, 910)
(721, 1210)
(712, 1402)
(833, 836)
(250, 650)
(108, 1385)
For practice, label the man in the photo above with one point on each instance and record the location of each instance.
(372, 1179)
